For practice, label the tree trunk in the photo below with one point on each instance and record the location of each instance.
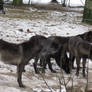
(64, 3)
(54, 1)
(17, 2)
(1, 2)
(29, 2)
(87, 15)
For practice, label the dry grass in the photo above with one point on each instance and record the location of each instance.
(34, 12)
(24, 13)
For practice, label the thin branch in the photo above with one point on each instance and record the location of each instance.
(46, 83)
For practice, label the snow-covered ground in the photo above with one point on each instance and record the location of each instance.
(68, 2)
(42, 22)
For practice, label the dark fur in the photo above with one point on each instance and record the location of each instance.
(64, 62)
(49, 47)
(80, 49)
(20, 54)
(54, 50)
(85, 36)
(44, 43)
(58, 41)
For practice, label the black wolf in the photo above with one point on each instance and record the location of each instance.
(62, 43)
(49, 47)
(53, 49)
(64, 61)
(44, 42)
(20, 54)
(80, 49)
(87, 36)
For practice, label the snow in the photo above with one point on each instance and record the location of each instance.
(56, 23)
(69, 2)
(72, 2)
(77, 2)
